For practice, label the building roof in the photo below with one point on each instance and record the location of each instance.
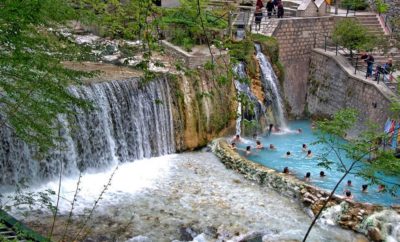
(304, 4)
(319, 3)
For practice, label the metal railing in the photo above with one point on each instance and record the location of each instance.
(354, 58)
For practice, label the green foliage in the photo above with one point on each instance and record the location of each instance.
(381, 6)
(183, 25)
(32, 79)
(364, 148)
(354, 4)
(351, 35)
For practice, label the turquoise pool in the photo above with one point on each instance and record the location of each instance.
(300, 164)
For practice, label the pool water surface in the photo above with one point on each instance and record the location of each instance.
(299, 164)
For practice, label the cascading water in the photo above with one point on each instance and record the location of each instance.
(244, 89)
(270, 84)
(240, 34)
(130, 121)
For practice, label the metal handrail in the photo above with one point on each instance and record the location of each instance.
(353, 58)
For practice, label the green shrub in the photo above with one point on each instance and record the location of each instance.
(354, 4)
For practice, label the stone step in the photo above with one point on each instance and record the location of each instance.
(290, 4)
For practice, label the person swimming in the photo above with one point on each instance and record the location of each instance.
(381, 188)
(259, 145)
(304, 148)
(233, 146)
(307, 178)
(322, 174)
(272, 147)
(286, 170)
(349, 184)
(364, 188)
(236, 139)
(288, 154)
(309, 153)
(299, 131)
(348, 195)
(248, 150)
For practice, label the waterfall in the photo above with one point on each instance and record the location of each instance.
(244, 90)
(130, 121)
(240, 34)
(270, 84)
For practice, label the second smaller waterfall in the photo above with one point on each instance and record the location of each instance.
(244, 91)
(270, 83)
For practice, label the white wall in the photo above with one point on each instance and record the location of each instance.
(169, 3)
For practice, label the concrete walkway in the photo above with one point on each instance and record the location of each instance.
(347, 67)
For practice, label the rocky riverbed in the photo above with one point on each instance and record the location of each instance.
(189, 196)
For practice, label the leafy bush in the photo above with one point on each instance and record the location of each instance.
(183, 25)
(354, 4)
(351, 35)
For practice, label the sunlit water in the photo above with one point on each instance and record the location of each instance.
(300, 164)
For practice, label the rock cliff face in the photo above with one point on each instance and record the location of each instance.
(203, 108)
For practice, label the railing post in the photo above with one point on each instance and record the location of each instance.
(325, 42)
(355, 68)
(336, 48)
(230, 25)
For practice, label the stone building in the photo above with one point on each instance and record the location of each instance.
(312, 8)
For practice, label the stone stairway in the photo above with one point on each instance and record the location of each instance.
(371, 22)
(268, 26)
(7, 234)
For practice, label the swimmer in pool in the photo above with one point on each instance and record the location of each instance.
(288, 154)
(309, 154)
(364, 188)
(248, 151)
(307, 178)
(259, 145)
(304, 148)
(272, 147)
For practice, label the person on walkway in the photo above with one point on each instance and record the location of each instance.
(280, 9)
(270, 7)
(369, 59)
(259, 4)
(258, 15)
(385, 70)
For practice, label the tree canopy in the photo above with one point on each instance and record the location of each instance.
(33, 82)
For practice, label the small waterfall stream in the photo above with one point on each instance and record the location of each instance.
(270, 84)
(244, 90)
(130, 121)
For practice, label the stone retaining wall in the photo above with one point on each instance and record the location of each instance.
(332, 85)
(192, 60)
(297, 37)
(351, 215)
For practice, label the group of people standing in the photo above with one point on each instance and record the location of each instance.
(272, 6)
(380, 69)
